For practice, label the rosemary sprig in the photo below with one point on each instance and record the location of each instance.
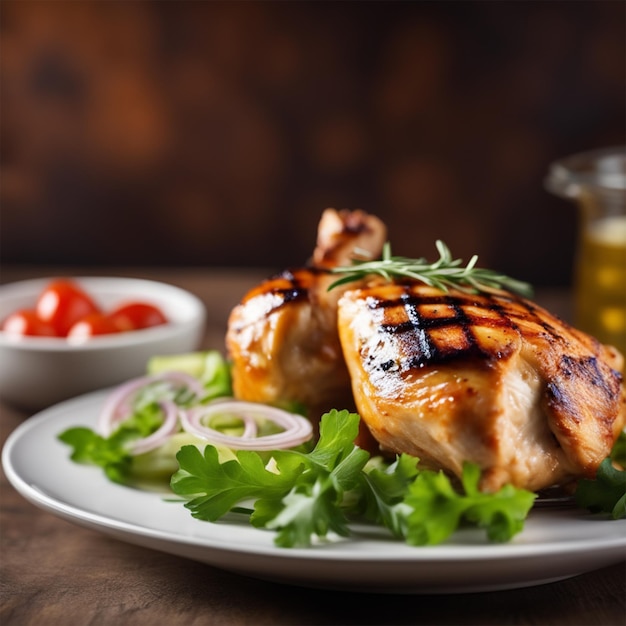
(443, 274)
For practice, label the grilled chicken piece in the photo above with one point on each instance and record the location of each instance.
(282, 338)
(492, 379)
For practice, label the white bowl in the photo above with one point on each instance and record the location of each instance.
(36, 372)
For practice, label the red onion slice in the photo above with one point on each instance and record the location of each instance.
(118, 405)
(162, 434)
(297, 429)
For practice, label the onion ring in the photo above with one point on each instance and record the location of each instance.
(297, 429)
(117, 406)
(162, 434)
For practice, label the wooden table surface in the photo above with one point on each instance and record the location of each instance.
(54, 572)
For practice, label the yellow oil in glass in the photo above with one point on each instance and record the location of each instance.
(601, 281)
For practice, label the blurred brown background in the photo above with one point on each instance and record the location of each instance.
(215, 133)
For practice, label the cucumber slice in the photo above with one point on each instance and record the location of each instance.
(209, 367)
(192, 363)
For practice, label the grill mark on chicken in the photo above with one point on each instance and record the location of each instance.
(586, 368)
(287, 287)
(533, 312)
(512, 313)
(418, 328)
(492, 378)
(294, 292)
(426, 350)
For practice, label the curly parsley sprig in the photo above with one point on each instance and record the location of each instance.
(445, 273)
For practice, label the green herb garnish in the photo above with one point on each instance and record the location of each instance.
(443, 274)
(304, 496)
(111, 454)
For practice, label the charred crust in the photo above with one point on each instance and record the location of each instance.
(602, 393)
(291, 285)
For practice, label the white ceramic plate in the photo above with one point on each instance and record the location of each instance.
(555, 544)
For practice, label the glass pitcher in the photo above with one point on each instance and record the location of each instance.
(596, 182)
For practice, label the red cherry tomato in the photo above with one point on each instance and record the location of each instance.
(95, 324)
(62, 303)
(26, 322)
(139, 315)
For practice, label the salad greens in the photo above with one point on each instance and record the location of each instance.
(209, 367)
(304, 496)
(112, 453)
(314, 490)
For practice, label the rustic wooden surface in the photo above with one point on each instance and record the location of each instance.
(56, 573)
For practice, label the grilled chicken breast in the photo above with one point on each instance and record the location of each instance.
(492, 379)
(449, 377)
(282, 338)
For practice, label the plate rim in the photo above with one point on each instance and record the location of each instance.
(441, 554)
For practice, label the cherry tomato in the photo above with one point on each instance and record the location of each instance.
(27, 322)
(95, 324)
(139, 315)
(62, 303)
